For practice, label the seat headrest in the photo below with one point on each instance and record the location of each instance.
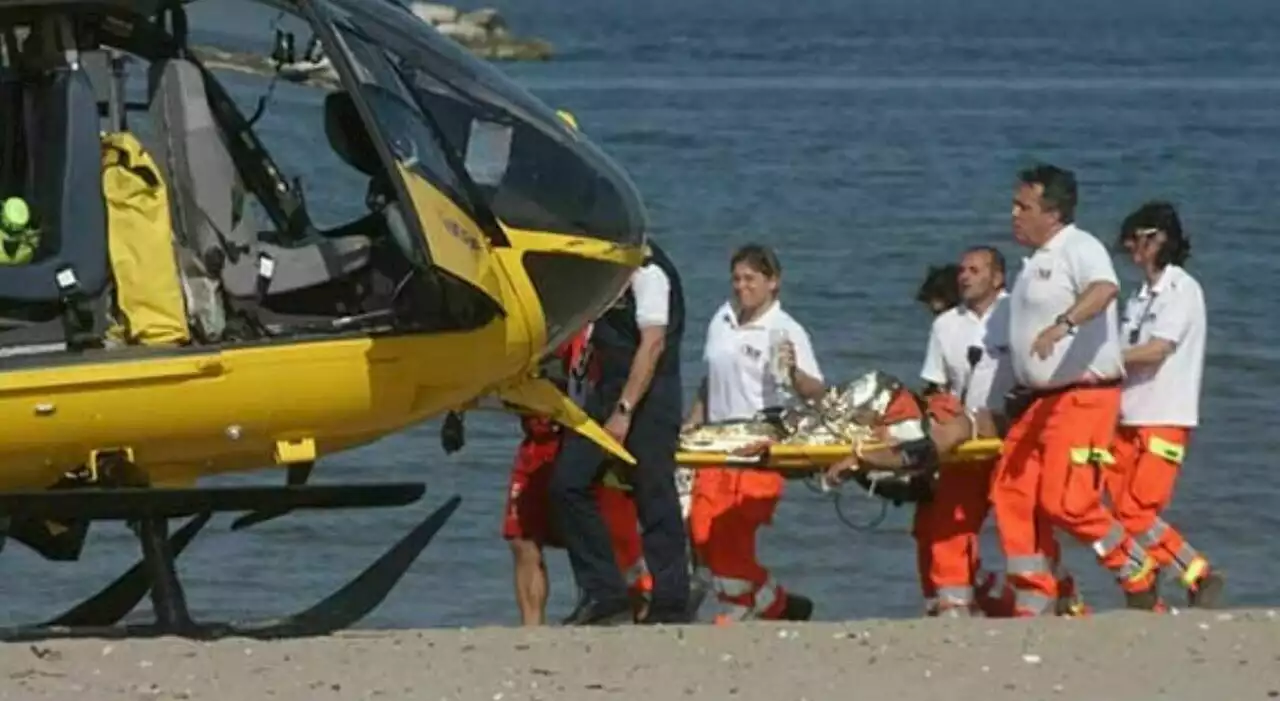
(348, 135)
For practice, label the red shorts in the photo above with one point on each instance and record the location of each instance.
(528, 514)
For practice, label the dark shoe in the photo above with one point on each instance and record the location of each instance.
(599, 613)
(798, 608)
(1207, 593)
(1146, 600)
(665, 617)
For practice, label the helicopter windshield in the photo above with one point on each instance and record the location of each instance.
(533, 171)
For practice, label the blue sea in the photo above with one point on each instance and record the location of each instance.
(865, 141)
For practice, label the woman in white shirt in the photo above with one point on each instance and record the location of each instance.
(729, 505)
(1163, 333)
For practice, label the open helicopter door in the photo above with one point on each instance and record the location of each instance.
(550, 236)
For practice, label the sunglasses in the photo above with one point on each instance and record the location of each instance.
(1137, 237)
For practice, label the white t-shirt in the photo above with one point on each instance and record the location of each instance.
(739, 382)
(652, 290)
(1167, 394)
(947, 360)
(1051, 279)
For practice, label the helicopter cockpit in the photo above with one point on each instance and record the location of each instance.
(457, 161)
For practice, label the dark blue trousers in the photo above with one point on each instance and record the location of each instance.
(654, 437)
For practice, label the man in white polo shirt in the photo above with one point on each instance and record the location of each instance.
(1065, 352)
(1163, 332)
(961, 360)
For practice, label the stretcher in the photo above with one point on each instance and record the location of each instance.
(806, 459)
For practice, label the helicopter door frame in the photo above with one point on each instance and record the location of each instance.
(465, 255)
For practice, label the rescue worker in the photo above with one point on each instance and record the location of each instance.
(1065, 356)
(959, 361)
(527, 524)
(1163, 334)
(730, 505)
(637, 400)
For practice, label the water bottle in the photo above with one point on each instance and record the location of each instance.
(781, 377)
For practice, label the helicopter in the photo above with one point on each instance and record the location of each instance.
(183, 315)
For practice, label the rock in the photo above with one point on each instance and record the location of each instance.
(487, 18)
(434, 13)
(463, 31)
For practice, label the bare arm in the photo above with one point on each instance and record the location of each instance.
(698, 412)
(1095, 298)
(1152, 352)
(808, 387)
(652, 342)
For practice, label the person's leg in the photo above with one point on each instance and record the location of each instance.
(527, 526)
(1077, 444)
(530, 581)
(662, 525)
(581, 527)
(1020, 523)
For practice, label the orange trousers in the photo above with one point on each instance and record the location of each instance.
(728, 507)
(620, 517)
(1049, 476)
(946, 532)
(1141, 487)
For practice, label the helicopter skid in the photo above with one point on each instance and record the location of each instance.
(99, 615)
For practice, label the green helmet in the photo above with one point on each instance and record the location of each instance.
(18, 240)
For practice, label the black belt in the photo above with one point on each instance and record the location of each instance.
(1103, 384)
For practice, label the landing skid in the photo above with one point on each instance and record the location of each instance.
(99, 615)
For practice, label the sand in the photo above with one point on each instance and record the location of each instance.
(1219, 656)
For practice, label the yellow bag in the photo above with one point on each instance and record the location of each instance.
(149, 305)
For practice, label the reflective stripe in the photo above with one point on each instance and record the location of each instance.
(1151, 537)
(765, 599)
(1027, 564)
(1092, 456)
(1185, 557)
(1173, 452)
(954, 596)
(1031, 602)
(1112, 540)
(1194, 571)
(1137, 570)
(611, 480)
(728, 586)
(637, 570)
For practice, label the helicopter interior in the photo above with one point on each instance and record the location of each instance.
(244, 280)
(256, 265)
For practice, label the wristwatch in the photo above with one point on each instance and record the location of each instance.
(1062, 319)
(624, 407)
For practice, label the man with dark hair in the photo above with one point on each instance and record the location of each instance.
(1065, 355)
(637, 397)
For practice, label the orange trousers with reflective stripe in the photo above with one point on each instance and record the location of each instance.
(946, 532)
(621, 518)
(1041, 483)
(728, 507)
(1141, 486)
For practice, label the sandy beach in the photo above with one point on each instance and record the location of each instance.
(1227, 655)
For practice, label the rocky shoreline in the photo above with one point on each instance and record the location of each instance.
(484, 32)
(1111, 656)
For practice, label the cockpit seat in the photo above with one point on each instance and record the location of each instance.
(56, 128)
(218, 236)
